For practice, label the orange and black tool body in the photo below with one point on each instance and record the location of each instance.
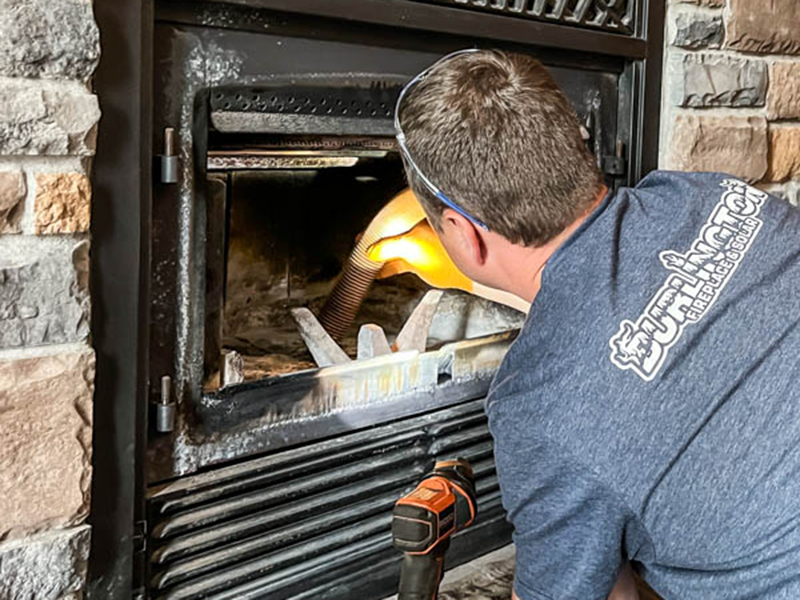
(442, 504)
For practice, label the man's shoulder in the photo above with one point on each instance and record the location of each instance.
(665, 180)
(676, 191)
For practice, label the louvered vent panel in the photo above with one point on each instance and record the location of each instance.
(615, 16)
(314, 522)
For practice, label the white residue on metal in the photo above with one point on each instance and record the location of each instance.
(204, 67)
(393, 381)
(219, 15)
(222, 162)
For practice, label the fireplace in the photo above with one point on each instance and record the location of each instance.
(284, 212)
(268, 469)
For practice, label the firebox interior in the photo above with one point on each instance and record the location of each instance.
(286, 220)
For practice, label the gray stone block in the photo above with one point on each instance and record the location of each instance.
(44, 295)
(50, 565)
(699, 80)
(694, 31)
(47, 119)
(54, 39)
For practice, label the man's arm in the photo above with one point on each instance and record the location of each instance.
(569, 526)
(624, 589)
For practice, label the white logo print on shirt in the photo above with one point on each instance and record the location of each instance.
(696, 281)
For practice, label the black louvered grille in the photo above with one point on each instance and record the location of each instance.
(609, 15)
(311, 521)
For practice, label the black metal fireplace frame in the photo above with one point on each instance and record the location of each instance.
(123, 194)
(203, 45)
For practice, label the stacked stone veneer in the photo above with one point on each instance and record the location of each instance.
(48, 120)
(732, 91)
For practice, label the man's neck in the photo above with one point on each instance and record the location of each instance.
(524, 264)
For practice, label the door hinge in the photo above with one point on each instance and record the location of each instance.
(139, 540)
(167, 163)
(139, 537)
(616, 165)
(165, 407)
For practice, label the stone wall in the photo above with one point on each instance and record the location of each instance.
(731, 98)
(48, 119)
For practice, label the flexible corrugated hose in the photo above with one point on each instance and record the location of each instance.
(398, 216)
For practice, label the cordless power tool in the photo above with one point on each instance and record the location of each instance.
(442, 504)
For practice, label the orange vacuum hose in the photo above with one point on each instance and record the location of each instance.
(398, 216)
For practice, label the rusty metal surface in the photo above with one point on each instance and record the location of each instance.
(242, 122)
(252, 417)
(381, 381)
(232, 162)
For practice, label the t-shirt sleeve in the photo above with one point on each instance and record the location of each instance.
(568, 527)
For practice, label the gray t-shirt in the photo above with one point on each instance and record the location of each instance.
(650, 408)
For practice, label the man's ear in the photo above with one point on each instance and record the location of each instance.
(464, 233)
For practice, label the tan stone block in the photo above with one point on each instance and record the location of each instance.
(734, 145)
(45, 457)
(784, 154)
(764, 27)
(62, 203)
(783, 97)
(12, 192)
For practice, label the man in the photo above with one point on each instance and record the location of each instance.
(649, 411)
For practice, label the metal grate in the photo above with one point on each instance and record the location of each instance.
(351, 105)
(315, 519)
(351, 102)
(609, 15)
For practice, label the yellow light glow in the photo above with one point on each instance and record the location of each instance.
(419, 251)
(398, 216)
(414, 252)
(397, 224)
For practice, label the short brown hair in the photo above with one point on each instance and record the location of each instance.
(497, 135)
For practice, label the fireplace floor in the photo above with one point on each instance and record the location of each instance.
(260, 326)
(488, 577)
(491, 577)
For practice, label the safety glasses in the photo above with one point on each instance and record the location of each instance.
(401, 142)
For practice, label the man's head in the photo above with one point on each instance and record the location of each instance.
(496, 135)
